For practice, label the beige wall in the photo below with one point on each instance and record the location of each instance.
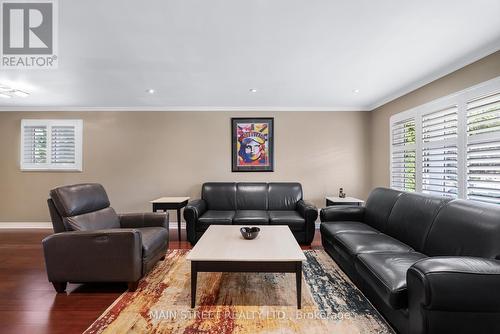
(138, 156)
(482, 70)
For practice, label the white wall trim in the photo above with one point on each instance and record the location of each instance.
(24, 225)
(179, 108)
(48, 225)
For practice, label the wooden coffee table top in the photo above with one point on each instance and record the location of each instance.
(225, 243)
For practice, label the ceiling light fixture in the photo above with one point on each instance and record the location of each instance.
(8, 92)
(253, 90)
(150, 91)
(20, 93)
(355, 91)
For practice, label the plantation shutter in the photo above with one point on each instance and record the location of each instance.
(35, 144)
(403, 155)
(63, 144)
(483, 149)
(51, 144)
(440, 152)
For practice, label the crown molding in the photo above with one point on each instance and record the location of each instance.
(180, 108)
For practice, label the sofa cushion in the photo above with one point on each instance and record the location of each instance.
(379, 206)
(251, 196)
(329, 229)
(465, 228)
(251, 217)
(291, 218)
(385, 273)
(219, 195)
(154, 239)
(214, 217)
(284, 196)
(97, 220)
(353, 244)
(412, 217)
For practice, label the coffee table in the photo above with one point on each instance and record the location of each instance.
(223, 249)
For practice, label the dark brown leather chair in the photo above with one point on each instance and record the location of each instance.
(94, 244)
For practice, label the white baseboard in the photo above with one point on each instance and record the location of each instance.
(31, 225)
(48, 225)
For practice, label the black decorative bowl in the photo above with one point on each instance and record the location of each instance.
(249, 233)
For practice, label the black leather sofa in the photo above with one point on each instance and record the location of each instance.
(246, 203)
(428, 264)
(94, 244)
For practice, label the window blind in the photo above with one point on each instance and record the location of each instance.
(403, 156)
(35, 144)
(51, 144)
(483, 149)
(440, 152)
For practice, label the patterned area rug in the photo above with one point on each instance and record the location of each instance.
(250, 303)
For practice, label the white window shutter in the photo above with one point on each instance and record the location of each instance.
(403, 155)
(440, 152)
(34, 144)
(51, 145)
(483, 149)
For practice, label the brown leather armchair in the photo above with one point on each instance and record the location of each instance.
(94, 244)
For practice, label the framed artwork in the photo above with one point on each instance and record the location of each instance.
(252, 144)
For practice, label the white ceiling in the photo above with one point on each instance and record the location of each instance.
(298, 54)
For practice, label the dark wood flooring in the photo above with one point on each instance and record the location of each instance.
(28, 302)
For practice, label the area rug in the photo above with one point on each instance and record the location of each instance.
(237, 303)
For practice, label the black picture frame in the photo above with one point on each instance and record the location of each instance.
(236, 156)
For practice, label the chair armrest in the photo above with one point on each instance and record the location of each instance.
(342, 213)
(192, 212)
(148, 219)
(456, 283)
(112, 255)
(309, 212)
(450, 294)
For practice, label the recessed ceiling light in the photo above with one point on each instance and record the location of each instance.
(355, 91)
(150, 91)
(253, 90)
(5, 96)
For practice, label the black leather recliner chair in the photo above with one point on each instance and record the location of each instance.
(428, 264)
(251, 204)
(94, 244)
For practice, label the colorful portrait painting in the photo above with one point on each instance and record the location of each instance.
(252, 144)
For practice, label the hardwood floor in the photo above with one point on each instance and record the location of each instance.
(29, 303)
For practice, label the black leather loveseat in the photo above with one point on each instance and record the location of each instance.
(428, 264)
(251, 204)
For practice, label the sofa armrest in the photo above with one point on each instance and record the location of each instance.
(147, 219)
(453, 284)
(192, 212)
(113, 255)
(342, 213)
(309, 212)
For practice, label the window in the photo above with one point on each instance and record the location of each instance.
(483, 149)
(403, 155)
(51, 145)
(450, 147)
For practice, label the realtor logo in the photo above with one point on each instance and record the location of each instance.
(28, 34)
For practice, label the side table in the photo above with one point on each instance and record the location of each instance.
(171, 203)
(334, 200)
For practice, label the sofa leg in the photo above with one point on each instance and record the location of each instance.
(132, 286)
(60, 286)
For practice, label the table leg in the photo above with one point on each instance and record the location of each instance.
(194, 275)
(179, 224)
(298, 279)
